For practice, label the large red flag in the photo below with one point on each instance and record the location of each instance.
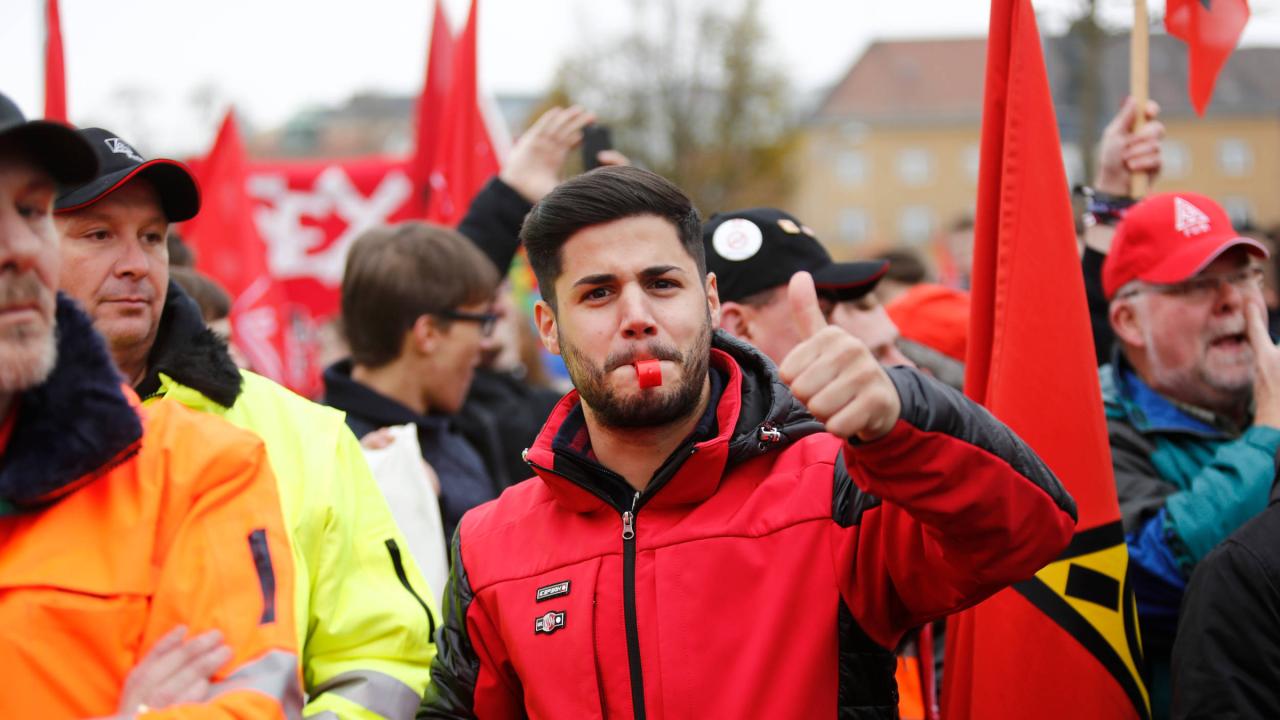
(1211, 29)
(230, 250)
(1064, 643)
(55, 80)
(465, 157)
(429, 114)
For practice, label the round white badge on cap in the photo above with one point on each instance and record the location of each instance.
(737, 239)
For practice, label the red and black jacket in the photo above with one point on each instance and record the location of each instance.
(767, 570)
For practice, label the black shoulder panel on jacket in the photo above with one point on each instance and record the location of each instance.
(451, 694)
(848, 501)
(74, 423)
(867, 687)
(189, 352)
(933, 407)
(1139, 487)
(493, 222)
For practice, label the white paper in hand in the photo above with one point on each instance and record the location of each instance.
(408, 484)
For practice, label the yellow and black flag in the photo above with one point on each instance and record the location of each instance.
(1063, 644)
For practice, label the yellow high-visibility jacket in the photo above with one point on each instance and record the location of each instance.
(366, 618)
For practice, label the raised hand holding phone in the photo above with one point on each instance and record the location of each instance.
(834, 374)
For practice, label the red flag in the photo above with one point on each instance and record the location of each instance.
(429, 114)
(230, 250)
(1064, 643)
(464, 156)
(1211, 29)
(55, 80)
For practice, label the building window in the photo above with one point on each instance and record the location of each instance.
(851, 167)
(1239, 209)
(914, 166)
(855, 225)
(915, 224)
(1177, 159)
(1234, 157)
(971, 159)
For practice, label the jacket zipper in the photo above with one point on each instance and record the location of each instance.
(628, 561)
(629, 607)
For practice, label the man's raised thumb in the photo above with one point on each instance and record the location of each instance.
(805, 310)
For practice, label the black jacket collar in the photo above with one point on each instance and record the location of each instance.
(75, 423)
(767, 403)
(189, 352)
(368, 406)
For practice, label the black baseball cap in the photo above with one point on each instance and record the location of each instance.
(761, 248)
(53, 146)
(119, 163)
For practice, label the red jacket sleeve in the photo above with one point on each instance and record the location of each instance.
(941, 513)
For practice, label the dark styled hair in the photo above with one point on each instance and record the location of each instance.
(396, 274)
(598, 197)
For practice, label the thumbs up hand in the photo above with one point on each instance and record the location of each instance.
(834, 374)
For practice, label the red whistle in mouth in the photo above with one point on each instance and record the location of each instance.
(649, 373)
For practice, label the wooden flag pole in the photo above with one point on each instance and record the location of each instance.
(1139, 73)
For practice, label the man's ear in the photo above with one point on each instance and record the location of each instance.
(545, 318)
(1127, 323)
(425, 335)
(735, 319)
(713, 299)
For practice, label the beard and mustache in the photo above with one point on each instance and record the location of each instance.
(648, 408)
(28, 351)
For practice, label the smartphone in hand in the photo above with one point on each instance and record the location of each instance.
(594, 139)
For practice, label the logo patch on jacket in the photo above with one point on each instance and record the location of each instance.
(549, 591)
(548, 623)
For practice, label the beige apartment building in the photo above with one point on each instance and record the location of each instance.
(891, 155)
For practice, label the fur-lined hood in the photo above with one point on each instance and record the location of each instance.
(190, 353)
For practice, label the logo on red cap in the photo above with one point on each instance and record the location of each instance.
(1189, 219)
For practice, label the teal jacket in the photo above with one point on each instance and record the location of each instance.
(366, 619)
(1185, 481)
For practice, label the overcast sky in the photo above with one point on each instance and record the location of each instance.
(274, 57)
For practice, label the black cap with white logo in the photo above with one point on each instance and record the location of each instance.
(761, 248)
(51, 145)
(120, 163)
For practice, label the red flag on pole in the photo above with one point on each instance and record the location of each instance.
(1064, 643)
(429, 114)
(1211, 29)
(464, 157)
(55, 80)
(230, 250)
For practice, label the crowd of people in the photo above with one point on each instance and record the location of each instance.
(759, 498)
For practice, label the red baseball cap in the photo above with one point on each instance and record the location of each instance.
(1168, 238)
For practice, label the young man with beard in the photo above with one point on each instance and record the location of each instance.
(1192, 404)
(120, 527)
(706, 537)
(362, 608)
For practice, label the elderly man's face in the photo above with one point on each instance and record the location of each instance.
(1193, 336)
(28, 275)
(867, 320)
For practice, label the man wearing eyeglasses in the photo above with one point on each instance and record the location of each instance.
(417, 310)
(1192, 397)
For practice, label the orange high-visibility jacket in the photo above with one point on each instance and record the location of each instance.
(174, 523)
